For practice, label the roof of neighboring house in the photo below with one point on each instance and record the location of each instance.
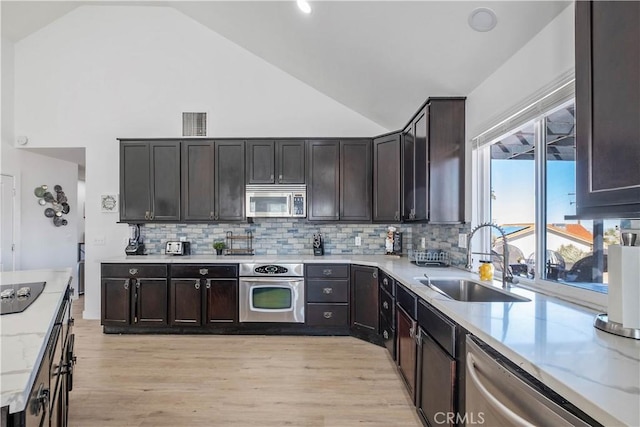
(572, 231)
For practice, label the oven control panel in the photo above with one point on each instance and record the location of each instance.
(271, 269)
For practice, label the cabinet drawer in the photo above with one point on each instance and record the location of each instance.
(387, 283)
(134, 270)
(334, 271)
(407, 300)
(441, 329)
(328, 315)
(387, 306)
(206, 271)
(327, 290)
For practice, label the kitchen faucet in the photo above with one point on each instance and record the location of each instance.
(507, 276)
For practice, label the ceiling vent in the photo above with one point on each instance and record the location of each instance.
(194, 124)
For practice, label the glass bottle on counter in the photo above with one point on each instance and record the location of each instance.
(486, 270)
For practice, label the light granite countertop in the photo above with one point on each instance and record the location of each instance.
(24, 336)
(551, 339)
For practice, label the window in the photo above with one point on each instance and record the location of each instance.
(530, 188)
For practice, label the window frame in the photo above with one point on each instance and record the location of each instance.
(481, 199)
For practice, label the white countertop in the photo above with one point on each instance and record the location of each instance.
(551, 339)
(24, 336)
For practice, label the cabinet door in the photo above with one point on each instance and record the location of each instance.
(116, 301)
(290, 160)
(260, 162)
(446, 161)
(408, 190)
(437, 382)
(186, 302)
(221, 301)
(406, 349)
(165, 181)
(198, 160)
(386, 178)
(364, 298)
(607, 109)
(421, 165)
(135, 181)
(323, 185)
(230, 175)
(150, 307)
(355, 180)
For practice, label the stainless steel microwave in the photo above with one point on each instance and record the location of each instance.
(276, 201)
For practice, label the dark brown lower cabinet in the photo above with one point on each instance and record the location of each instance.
(186, 302)
(437, 395)
(116, 301)
(221, 301)
(150, 302)
(406, 349)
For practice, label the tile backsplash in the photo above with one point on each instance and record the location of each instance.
(274, 236)
(443, 237)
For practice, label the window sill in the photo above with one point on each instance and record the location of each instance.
(575, 293)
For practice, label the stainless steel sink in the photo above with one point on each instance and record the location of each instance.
(466, 290)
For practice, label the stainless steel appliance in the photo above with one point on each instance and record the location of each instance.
(178, 248)
(276, 201)
(498, 393)
(135, 246)
(271, 293)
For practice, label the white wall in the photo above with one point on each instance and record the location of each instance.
(100, 73)
(545, 59)
(43, 244)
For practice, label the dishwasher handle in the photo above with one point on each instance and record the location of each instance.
(493, 401)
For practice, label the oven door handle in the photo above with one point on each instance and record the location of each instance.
(271, 279)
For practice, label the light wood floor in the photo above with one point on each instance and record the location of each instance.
(213, 380)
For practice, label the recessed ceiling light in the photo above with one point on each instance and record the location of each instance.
(304, 6)
(483, 19)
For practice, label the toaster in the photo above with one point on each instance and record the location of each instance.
(178, 248)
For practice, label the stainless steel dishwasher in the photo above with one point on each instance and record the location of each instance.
(498, 393)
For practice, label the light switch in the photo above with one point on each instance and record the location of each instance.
(423, 242)
(99, 240)
(462, 240)
(358, 240)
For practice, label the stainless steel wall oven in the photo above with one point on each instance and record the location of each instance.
(271, 293)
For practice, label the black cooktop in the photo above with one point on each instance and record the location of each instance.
(17, 297)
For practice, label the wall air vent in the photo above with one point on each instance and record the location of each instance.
(194, 124)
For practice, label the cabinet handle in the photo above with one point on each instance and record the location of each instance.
(133, 271)
(385, 305)
(41, 400)
(208, 284)
(280, 178)
(151, 215)
(385, 334)
(126, 284)
(328, 314)
(412, 332)
(211, 215)
(215, 217)
(375, 274)
(396, 217)
(146, 214)
(327, 272)
(197, 284)
(385, 281)
(271, 177)
(137, 285)
(204, 271)
(327, 291)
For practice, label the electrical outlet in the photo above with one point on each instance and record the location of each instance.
(423, 243)
(358, 240)
(183, 238)
(462, 240)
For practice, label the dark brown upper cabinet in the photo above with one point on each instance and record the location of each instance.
(213, 180)
(339, 180)
(323, 184)
(386, 178)
(229, 180)
(355, 180)
(433, 154)
(607, 109)
(275, 162)
(149, 181)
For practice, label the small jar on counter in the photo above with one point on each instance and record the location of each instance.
(486, 270)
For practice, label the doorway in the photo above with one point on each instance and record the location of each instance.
(7, 221)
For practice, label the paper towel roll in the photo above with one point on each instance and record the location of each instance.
(624, 285)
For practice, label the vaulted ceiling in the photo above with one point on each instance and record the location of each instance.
(382, 59)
